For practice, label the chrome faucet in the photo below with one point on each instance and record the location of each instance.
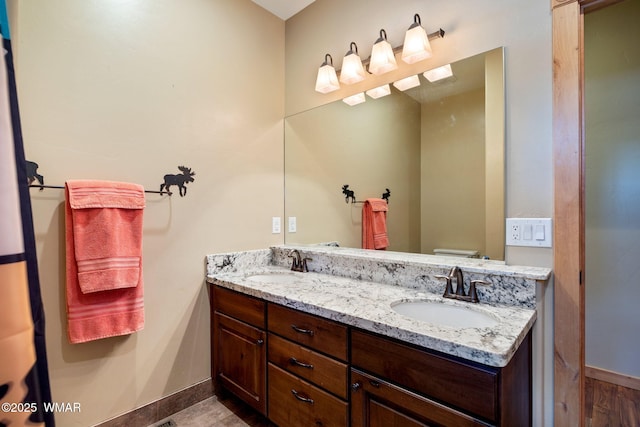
(460, 294)
(298, 262)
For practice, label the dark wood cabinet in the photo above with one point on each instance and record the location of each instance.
(239, 348)
(304, 370)
(491, 395)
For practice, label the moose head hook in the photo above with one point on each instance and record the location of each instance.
(181, 180)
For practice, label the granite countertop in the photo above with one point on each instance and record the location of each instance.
(367, 305)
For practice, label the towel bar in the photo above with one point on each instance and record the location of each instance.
(350, 194)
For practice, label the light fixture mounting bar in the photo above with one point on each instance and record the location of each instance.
(435, 35)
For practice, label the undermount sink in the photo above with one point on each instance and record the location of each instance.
(275, 277)
(444, 314)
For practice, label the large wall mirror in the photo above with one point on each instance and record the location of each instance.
(438, 148)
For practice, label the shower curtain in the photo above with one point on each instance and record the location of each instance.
(24, 376)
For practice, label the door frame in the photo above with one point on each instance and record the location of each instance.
(569, 230)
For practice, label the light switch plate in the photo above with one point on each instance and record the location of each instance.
(275, 225)
(534, 232)
(293, 224)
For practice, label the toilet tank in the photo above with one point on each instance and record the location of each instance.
(460, 253)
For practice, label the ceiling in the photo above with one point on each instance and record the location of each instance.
(284, 9)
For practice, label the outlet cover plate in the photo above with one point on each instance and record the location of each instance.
(536, 232)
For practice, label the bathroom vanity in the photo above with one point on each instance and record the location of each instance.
(328, 350)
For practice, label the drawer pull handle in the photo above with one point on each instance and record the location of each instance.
(375, 384)
(301, 398)
(302, 331)
(296, 362)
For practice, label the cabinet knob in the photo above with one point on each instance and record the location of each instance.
(260, 342)
(356, 386)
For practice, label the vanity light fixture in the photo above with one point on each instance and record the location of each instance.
(383, 59)
(438, 73)
(379, 92)
(407, 83)
(352, 69)
(416, 43)
(356, 99)
(327, 80)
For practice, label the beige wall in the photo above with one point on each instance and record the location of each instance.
(453, 169)
(128, 91)
(371, 147)
(612, 82)
(523, 27)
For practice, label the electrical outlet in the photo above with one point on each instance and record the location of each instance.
(514, 230)
(529, 232)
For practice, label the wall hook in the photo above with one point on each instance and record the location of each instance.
(180, 180)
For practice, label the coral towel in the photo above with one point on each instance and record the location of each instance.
(103, 222)
(374, 224)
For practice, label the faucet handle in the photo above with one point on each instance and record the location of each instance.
(448, 289)
(304, 263)
(472, 289)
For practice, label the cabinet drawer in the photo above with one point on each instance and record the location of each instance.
(323, 371)
(240, 306)
(320, 334)
(376, 403)
(294, 402)
(469, 387)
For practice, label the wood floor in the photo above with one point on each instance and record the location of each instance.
(608, 404)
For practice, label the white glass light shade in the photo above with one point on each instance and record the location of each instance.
(382, 58)
(407, 83)
(352, 69)
(327, 80)
(356, 99)
(379, 92)
(438, 73)
(416, 43)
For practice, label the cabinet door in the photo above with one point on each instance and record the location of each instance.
(376, 403)
(240, 360)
